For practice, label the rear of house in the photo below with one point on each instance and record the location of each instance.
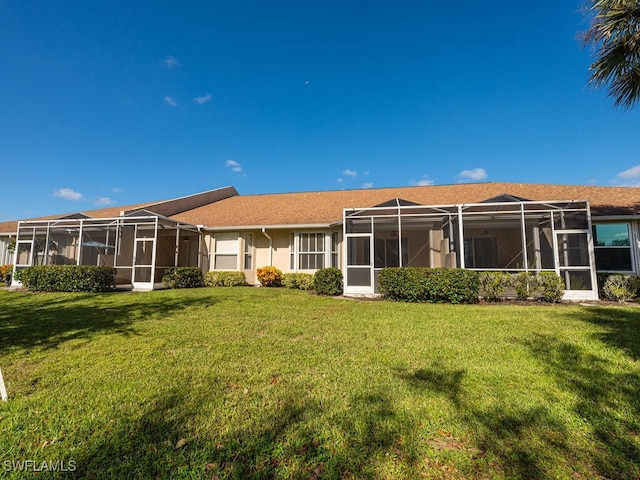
(574, 231)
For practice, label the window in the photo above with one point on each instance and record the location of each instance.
(226, 254)
(335, 257)
(248, 251)
(480, 252)
(306, 251)
(612, 243)
(311, 251)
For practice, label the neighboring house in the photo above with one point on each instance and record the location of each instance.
(572, 230)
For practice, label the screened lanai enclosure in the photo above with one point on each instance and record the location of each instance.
(502, 234)
(141, 246)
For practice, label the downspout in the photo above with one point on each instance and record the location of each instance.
(264, 232)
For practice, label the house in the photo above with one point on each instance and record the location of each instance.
(572, 230)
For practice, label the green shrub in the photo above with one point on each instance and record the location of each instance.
(493, 284)
(524, 284)
(441, 285)
(183, 277)
(620, 288)
(328, 281)
(68, 278)
(225, 279)
(269, 276)
(301, 281)
(550, 287)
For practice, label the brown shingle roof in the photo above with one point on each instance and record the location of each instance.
(326, 207)
(12, 226)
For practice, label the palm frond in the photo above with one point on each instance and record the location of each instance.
(615, 34)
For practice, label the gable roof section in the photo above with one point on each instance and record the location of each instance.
(325, 207)
(165, 208)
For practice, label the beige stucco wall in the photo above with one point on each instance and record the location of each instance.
(280, 253)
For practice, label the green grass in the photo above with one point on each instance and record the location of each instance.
(276, 383)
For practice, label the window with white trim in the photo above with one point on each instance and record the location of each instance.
(307, 251)
(612, 242)
(248, 251)
(310, 251)
(335, 248)
(226, 253)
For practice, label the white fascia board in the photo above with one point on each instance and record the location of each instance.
(268, 227)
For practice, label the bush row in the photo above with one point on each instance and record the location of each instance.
(440, 285)
(545, 286)
(326, 281)
(68, 278)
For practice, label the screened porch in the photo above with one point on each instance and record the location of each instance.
(141, 246)
(509, 236)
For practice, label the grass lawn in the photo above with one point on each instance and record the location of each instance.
(272, 383)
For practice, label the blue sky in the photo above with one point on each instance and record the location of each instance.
(112, 103)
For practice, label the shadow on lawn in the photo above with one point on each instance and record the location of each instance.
(622, 327)
(533, 441)
(607, 398)
(46, 320)
(281, 442)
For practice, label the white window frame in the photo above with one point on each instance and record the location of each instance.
(248, 250)
(335, 252)
(295, 249)
(218, 241)
(630, 233)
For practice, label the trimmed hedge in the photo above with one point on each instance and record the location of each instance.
(269, 276)
(493, 285)
(301, 281)
(440, 285)
(183, 277)
(545, 286)
(68, 278)
(328, 281)
(224, 279)
(550, 287)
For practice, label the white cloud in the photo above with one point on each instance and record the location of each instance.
(367, 185)
(172, 102)
(365, 173)
(116, 189)
(474, 175)
(349, 173)
(104, 201)
(235, 166)
(424, 181)
(203, 99)
(171, 62)
(633, 172)
(339, 180)
(67, 193)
